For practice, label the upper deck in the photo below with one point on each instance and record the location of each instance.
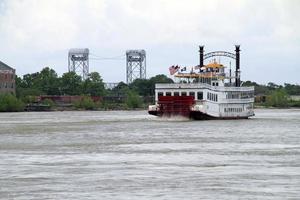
(162, 86)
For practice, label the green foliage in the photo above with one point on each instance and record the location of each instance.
(259, 89)
(86, 103)
(24, 92)
(48, 102)
(133, 100)
(146, 87)
(292, 89)
(94, 85)
(141, 86)
(9, 103)
(48, 81)
(294, 104)
(28, 99)
(44, 82)
(119, 90)
(71, 83)
(161, 78)
(113, 106)
(278, 98)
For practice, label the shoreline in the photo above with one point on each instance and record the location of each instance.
(139, 109)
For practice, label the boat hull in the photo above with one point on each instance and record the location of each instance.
(196, 115)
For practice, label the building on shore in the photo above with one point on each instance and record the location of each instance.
(7, 79)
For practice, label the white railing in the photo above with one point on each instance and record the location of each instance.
(224, 100)
(202, 85)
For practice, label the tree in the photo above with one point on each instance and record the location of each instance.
(278, 98)
(272, 86)
(161, 78)
(86, 103)
(29, 80)
(27, 86)
(133, 100)
(249, 83)
(71, 83)
(141, 86)
(94, 85)
(48, 81)
(292, 89)
(258, 89)
(9, 103)
(146, 87)
(44, 82)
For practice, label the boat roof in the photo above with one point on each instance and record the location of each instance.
(197, 75)
(214, 65)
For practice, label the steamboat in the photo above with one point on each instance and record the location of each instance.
(208, 91)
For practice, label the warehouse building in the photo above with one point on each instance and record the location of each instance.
(7, 79)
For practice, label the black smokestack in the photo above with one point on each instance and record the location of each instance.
(237, 66)
(201, 51)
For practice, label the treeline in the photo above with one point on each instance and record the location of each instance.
(138, 94)
(273, 95)
(47, 82)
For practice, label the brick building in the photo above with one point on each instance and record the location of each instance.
(7, 79)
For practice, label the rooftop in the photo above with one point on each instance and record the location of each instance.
(214, 65)
(4, 66)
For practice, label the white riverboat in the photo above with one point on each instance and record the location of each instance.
(210, 93)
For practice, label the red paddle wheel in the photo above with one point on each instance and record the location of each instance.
(175, 105)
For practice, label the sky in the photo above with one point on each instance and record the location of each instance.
(39, 33)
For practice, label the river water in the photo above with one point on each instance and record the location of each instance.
(131, 155)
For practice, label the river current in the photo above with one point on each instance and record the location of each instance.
(132, 155)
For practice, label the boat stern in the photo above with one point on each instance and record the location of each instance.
(153, 110)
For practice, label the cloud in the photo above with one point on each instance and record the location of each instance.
(59, 24)
(34, 29)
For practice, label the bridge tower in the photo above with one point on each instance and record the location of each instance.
(78, 62)
(135, 65)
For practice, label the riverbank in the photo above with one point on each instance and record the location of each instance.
(290, 104)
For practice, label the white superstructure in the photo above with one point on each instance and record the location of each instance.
(215, 101)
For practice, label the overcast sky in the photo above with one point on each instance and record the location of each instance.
(38, 33)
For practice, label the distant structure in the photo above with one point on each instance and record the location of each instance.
(78, 62)
(135, 65)
(110, 85)
(7, 79)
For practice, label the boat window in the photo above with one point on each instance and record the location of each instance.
(233, 95)
(192, 94)
(217, 84)
(168, 94)
(199, 95)
(160, 94)
(176, 93)
(183, 93)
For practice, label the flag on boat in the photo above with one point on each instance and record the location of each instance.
(173, 69)
(183, 69)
